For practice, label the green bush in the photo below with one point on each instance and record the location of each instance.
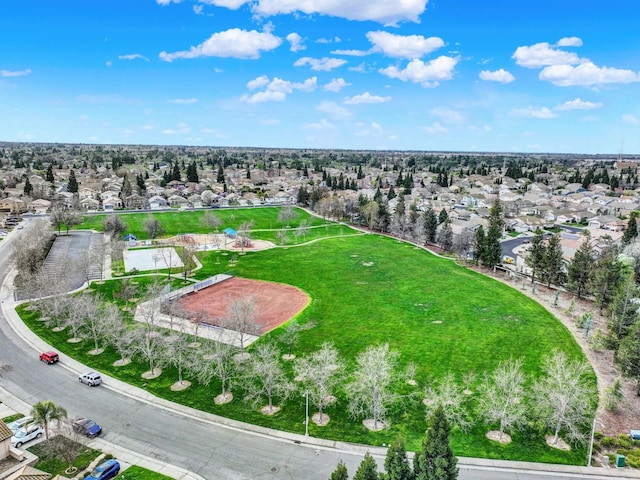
(609, 442)
(624, 441)
(13, 417)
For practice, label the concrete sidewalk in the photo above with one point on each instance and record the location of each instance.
(8, 308)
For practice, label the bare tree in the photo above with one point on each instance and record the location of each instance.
(95, 312)
(67, 445)
(286, 214)
(53, 310)
(177, 353)
(563, 396)
(264, 378)
(243, 236)
(80, 307)
(84, 264)
(502, 396)
(169, 257)
(217, 363)
(370, 214)
(463, 243)
(114, 226)
(320, 374)
(126, 291)
(449, 395)
(302, 230)
(282, 236)
(211, 221)
(188, 258)
(120, 336)
(98, 253)
(240, 317)
(289, 336)
(117, 250)
(370, 390)
(153, 226)
(150, 347)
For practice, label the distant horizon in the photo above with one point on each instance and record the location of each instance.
(628, 156)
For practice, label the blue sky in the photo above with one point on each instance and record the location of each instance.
(462, 75)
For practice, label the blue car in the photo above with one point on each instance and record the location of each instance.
(86, 427)
(104, 471)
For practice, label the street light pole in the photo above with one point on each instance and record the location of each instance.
(593, 433)
(306, 421)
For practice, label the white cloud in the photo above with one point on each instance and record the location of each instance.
(230, 4)
(270, 122)
(367, 129)
(14, 73)
(570, 42)
(578, 104)
(325, 64)
(295, 41)
(351, 53)
(427, 74)
(323, 124)
(268, 96)
(329, 40)
(235, 43)
(447, 115)
(630, 119)
(403, 46)
(184, 101)
(108, 63)
(335, 85)
(381, 11)
(366, 97)
(182, 129)
(334, 110)
(132, 56)
(501, 76)
(167, 2)
(277, 89)
(198, 9)
(259, 82)
(436, 129)
(147, 127)
(587, 74)
(218, 70)
(543, 54)
(542, 113)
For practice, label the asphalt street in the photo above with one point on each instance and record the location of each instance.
(198, 442)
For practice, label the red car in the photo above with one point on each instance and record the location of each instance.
(49, 357)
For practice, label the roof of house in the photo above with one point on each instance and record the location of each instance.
(29, 473)
(5, 431)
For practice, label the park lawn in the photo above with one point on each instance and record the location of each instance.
(369, 290)
(188, 221)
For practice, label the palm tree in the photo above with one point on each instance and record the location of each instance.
(44, 412)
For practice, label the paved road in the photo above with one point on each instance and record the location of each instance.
(197, 444)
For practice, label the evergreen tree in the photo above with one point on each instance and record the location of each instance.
(580, 267)
(72, 186)
(368, 469)
(608, 274)
(28, 188)
(435, 460)
(631, 233)
(400, 207)
(396, 463)
(377, 197)
(493, 250)
(443, 216)
(49, 175)
(391, 194)
(480, 245)
(176, 172)
(623, 313)
(220, 176)
(430, 225)
(126, 187)
(192, 173)
(535, 258)
(445, 237)
(553, 262)
(340, 473)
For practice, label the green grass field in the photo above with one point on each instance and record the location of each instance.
(368, 290)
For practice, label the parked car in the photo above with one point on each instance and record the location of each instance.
(49, 357)
(104, 471)
(19, 423)
(634, 434)
(26, 434)
(86, 427)
(90, 378)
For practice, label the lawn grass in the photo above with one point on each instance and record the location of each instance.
(368, 290)
(12, 418)
(183, 222)
(139, 473)
(56, 466)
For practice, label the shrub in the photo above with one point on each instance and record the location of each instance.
(609, 442)
(624, 441)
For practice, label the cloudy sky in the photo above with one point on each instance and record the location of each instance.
(463, 75)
